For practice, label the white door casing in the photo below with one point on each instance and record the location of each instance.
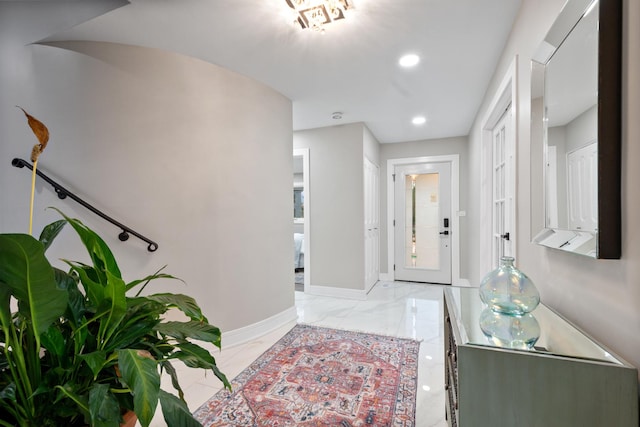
(551, 188)
(304, 152)
(503, 188)
(422, 223)
(502, 112)
(371, 223)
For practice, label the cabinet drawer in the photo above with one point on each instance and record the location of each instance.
(451, 373)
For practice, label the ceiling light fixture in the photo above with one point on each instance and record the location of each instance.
(337, 115)
(315, 14)
(409, 60)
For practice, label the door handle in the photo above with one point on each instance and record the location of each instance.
(445, 232)
(505, 236)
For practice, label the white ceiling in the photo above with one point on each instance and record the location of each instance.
(351, 68)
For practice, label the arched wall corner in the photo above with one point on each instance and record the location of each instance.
(194, 156)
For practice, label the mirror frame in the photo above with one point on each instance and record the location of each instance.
(609, 232)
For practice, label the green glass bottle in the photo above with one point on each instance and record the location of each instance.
(508, 290)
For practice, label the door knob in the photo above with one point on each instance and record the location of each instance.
(445, 232)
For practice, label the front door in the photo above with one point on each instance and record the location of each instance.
(422, 222)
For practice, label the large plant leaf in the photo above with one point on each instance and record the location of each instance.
(130, 335)
(8, 393)
(154, 276)
(101, 256)
(195, 356)
(195, 330)
(92, 286)
(5, 312)
(168, 367)
(26, 271)
(50, 232)
(53, 340)
(176, 412)
(142, 315)
(114, 308)
(67, 391)
(8, 401)
(63, 279)
(76, 307)
(103, 407)
(140, 373)
(95, 360)
(184, 303)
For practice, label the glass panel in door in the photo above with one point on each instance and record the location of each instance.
(422, 225)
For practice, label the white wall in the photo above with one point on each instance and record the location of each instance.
(189, 154)
(601, 296)
(337, 210)
(371, 146)
(433, 147)
(583, 130)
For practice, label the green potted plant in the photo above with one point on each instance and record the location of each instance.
(84, 346)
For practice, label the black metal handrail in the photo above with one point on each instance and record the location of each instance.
(63, 193)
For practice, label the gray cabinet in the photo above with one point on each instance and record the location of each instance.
(567, 379)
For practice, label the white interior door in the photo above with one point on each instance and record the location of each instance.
(582, 188)
(422, 231)
(503, 190)
(551, 188)
(371, 223)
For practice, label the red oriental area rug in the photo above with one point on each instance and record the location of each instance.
(322, 377)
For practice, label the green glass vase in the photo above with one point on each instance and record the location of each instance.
(508, 290)
(503, 330)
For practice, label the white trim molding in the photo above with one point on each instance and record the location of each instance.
(304, 152)
(330, 291)
(506, 97)
(386, 277)
(250, 332)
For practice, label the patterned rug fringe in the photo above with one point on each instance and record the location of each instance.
(361, 331)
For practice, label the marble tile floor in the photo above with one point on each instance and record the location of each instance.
(407, 310)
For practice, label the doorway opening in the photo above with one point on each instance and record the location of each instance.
(301, 220)
(423, 219)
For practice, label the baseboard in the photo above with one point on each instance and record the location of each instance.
(389, 277)
(463, 283)
(256, 330)
(328, 291)
(386, 277)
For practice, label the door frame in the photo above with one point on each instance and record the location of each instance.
(375, 211)
(454, 160)
(505, 97)
(403, 271)
(304, 153)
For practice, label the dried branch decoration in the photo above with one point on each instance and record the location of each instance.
(40, 131)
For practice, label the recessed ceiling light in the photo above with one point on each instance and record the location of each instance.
(337, 115)
(419, 120)
(409, 60)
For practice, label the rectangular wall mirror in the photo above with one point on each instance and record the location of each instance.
(576, 127)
